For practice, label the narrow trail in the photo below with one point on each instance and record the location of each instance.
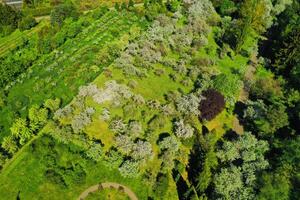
(108, 185)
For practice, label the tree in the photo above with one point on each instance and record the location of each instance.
(117, 6)
(229, 184)
(95, 151)
(37, 116)
(130, 4)
(80, 121)
(275, 186)
(9, 18)
(212, 104)
(169, 143)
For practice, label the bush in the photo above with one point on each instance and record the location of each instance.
(27, 23)
(212, 105)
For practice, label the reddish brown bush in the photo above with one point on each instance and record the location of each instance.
(212, 105)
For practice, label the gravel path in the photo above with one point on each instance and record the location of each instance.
(109, 185)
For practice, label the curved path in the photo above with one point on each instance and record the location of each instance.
(109, 185)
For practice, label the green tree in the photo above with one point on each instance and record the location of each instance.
(20, 129)
(61, 12)
(237, 180)
(9, 144)
(52, 104)
(27, 23)
(255, 18)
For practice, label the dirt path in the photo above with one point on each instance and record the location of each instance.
(109, 185)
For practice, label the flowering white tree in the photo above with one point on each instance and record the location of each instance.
(169, 143)
(142, 150)
(183, 130)
(129, 168)
(134, 129)
(124, 144)
(81, 120)
(188, 104)
(117, 126)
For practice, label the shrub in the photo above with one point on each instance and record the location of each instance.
(212, 105)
